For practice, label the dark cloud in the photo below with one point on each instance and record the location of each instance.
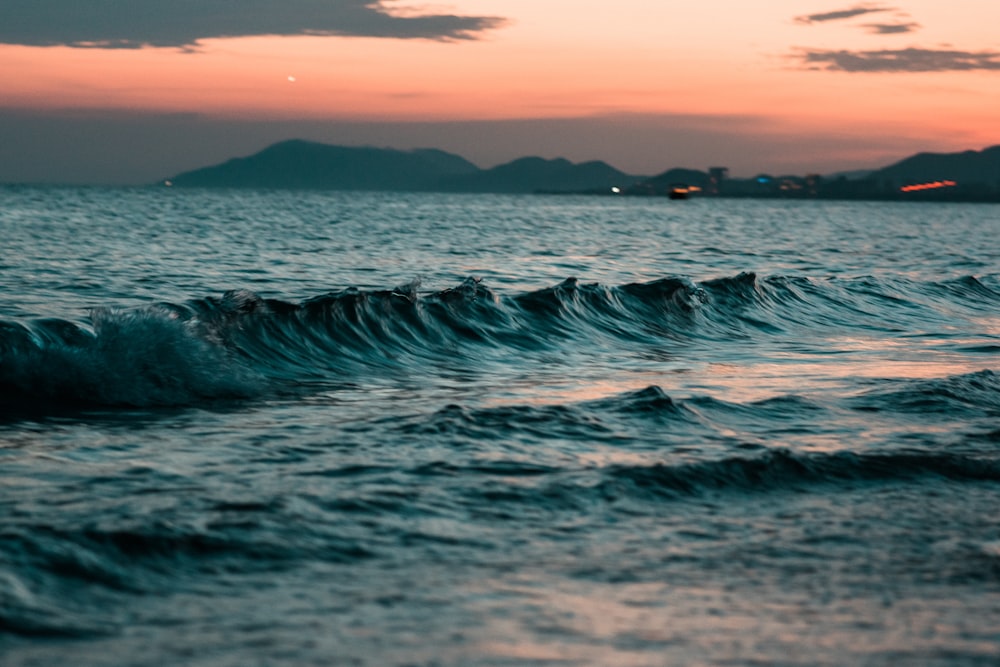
(900, 60)
(891, 28)
(841, 14)
(134, 24)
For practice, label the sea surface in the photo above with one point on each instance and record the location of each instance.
(254, 428)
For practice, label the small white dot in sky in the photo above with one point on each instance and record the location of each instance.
(292, 79)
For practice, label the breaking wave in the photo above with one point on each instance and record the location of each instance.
(241, 345)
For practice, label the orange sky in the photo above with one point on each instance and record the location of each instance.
(575, 59)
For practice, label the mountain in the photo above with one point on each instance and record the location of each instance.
(965, 176)
(663, 183)
(850, 175)
(535, 174)
(967, 167)
(310, 165)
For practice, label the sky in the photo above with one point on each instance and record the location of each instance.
(133, 91)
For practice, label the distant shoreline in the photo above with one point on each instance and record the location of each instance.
(966, 177)
(297, 164)
(940, 198)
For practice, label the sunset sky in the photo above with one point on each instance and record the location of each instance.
(129, 91)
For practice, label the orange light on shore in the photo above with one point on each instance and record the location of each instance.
(934, 185)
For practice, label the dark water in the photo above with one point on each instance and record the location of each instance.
(360, 429)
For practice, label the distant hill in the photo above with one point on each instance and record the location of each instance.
(967, 167)
(850, 175)
(535, 174)
(662, 183)
(309, 165)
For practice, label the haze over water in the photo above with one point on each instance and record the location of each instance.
(283, 428)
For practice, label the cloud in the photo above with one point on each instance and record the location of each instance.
(841, 14)
(891, 28)
(131, 24)
(901, 60)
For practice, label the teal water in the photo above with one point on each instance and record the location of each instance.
(272, 428)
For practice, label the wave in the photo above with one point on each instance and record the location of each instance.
(973, 393)
(785, 470)
(42, 566)
(649, 422)
(140, 357)
(120, 555)
(242, 345)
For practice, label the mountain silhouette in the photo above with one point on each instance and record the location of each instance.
(535, 174)
(310, 165)
(967, 167)
(664, 182)
(972, 175)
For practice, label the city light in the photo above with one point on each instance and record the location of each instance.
(928, 186)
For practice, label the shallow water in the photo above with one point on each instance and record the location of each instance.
(274, 428)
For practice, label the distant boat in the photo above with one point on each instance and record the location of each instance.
(679, 192)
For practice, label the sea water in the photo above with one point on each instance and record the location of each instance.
(304, 428)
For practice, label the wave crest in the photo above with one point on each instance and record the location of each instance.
(241, 344)
(140, 358)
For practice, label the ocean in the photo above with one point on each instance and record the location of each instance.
(276, 428)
